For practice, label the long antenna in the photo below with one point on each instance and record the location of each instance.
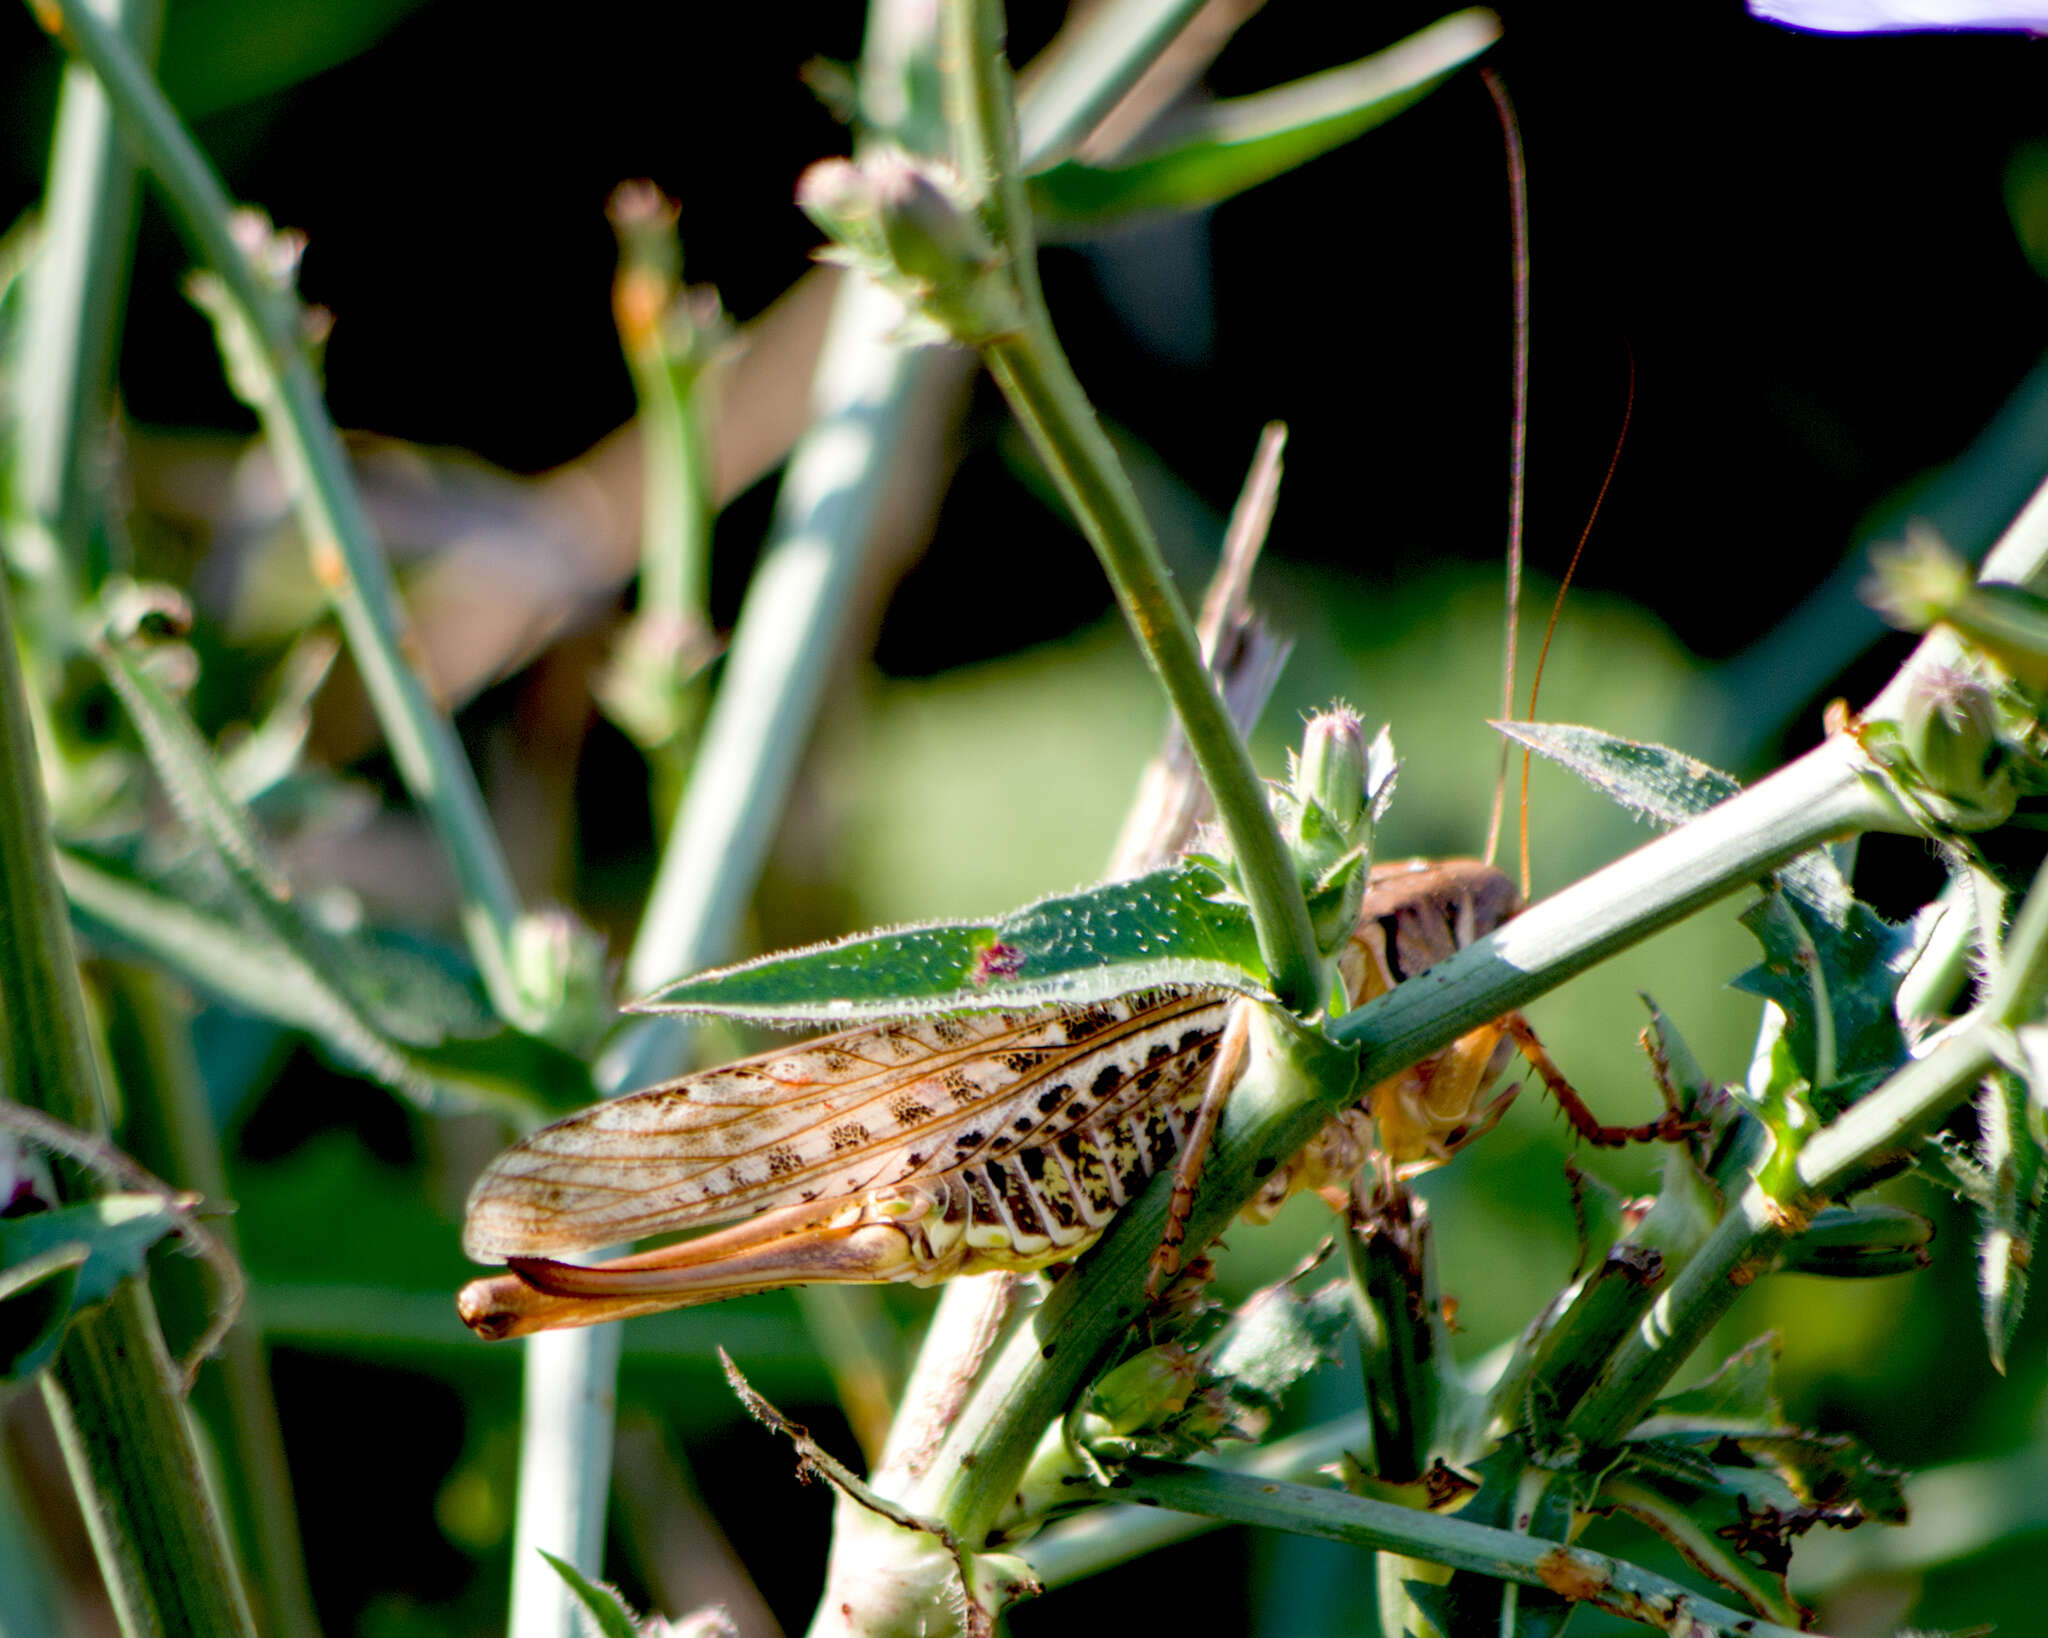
(1628, 409)
(1518, 450)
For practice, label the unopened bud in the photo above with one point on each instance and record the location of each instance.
(1331, 769)
(558, 972)
(1948, 729)
(908, 224)
(1144, 1391)
(1917, 582)
(1922, 583)
(1861, 1242)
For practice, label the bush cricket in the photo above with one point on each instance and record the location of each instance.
(918, 1150)
(921, 1149)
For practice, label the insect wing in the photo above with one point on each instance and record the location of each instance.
(862, 1110)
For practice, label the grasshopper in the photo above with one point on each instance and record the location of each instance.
(921, 1149)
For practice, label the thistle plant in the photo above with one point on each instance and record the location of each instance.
(1099, 1376)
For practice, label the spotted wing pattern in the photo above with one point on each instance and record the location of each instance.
(1046, 1119)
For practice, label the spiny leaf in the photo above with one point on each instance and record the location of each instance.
(54, 1264)
(1836, 979)
(2011, 1145)
(1679, 1515)
(604, 1608)
(1223, 148)
(1667, 787)
(1165, 929)
(1277, 1338)
(1835, 1474)
(1737, 1398)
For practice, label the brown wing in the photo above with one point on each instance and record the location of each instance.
(839, 1116)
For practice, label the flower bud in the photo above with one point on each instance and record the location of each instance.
(1145, 1390)
(1861, 1242)
(1948, 729)
(1331, 768)
(908, 224)
(558, 972)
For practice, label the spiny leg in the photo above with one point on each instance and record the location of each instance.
(1668, 1128)
(1194, 1149)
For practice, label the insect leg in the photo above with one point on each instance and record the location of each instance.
(1194, 1149)
(793, 1246)
(1668, 1128)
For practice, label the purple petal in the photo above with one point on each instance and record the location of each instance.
(1894, 16)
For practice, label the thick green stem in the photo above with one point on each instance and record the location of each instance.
(1049, 402)
(1335, 1515)
(170, 1131)
(111, 1389)
(112, 1393)
(344, 547)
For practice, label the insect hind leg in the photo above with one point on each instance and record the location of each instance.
(1670, 1127)
(1194, 1149)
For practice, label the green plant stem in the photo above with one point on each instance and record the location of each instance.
(346, 555)
(169, 1129)
(1104, 1537)
(1335, 1515)
(63, 397)
(112, 1394)
(1048, 402)
(676, 498)
(1757, 1227)
(1086, 73)
(111, 1390)
(790, 633)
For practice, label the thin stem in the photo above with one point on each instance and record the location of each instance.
(345, 553)
(73, 325)
(1048, 401)
(1088, 70)
(790, 633)
(1054, 411)
(1335, 1515)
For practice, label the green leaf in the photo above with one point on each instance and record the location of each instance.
(1161, 929)
(54, 1264)
(1833, 1474)
(1836, 979)
(607, 1612)
(1667, 787)
(1223, 148)
(1738, 1398)
(2009, 1121)
(243, 966)
(1277, 1338)
(1678, 1513)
